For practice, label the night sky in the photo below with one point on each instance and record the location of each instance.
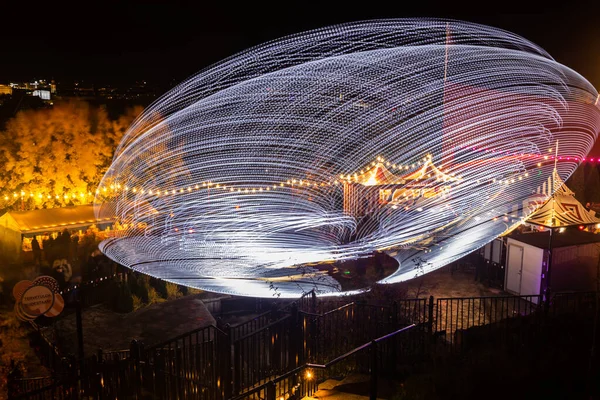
(163, 43)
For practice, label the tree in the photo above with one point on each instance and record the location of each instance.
(592, 184)
(57, 156)
(576, 183)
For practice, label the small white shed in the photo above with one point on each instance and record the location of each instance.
(575, 262)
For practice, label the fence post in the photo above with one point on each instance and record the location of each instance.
(295, 337)
(271, 391)
(79, 324)
(227, 369)
(313, 302)
(135, 350)
(373, 390)
(430, 316)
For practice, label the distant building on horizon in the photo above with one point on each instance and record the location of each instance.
(6, 90)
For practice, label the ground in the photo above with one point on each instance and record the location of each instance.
(448, 282)
(107, 330)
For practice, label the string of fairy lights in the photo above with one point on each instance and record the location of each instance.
(421, 138)
(114, 189)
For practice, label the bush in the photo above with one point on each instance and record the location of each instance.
(172, 291)
(154, 297)
(137, 302)
(140, 286)
(160, 286)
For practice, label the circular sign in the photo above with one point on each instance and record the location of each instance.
(20, 288)
(36, 301)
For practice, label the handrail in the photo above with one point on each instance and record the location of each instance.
(321, 366)
(488, 297)
(338, 309)
(262, 329)
(162, 344)
(250, 320)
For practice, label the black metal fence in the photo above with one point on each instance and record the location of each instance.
(455, 318)
(274, 353)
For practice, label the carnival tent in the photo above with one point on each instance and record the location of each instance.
(15, 225)
(562, 209)
(51, 219)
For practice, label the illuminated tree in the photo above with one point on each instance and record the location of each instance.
(57, 156)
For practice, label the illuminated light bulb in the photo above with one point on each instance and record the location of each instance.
(49, 197)
(197, 187)
(180, 190)
(5, 197)
(231, 189)
(134, 190)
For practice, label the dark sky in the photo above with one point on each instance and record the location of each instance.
(165, 41)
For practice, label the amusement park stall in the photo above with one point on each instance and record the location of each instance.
(18, 228)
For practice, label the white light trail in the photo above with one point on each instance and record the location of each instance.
(422, 138)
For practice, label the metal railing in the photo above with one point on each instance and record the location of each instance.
(213, 363)
(292, 382)
(455, 318)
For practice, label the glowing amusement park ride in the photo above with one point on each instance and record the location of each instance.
(420, 140)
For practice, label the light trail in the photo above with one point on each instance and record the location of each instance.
(266, 164)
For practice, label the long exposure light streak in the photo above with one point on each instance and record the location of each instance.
(421, 138)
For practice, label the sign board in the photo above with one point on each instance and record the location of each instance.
(38, 297)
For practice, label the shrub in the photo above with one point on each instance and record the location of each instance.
(154, 297)
(140, 286)
(160, 286)
(172, 291)
(137, 302)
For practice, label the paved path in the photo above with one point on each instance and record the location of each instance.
(353, 387)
